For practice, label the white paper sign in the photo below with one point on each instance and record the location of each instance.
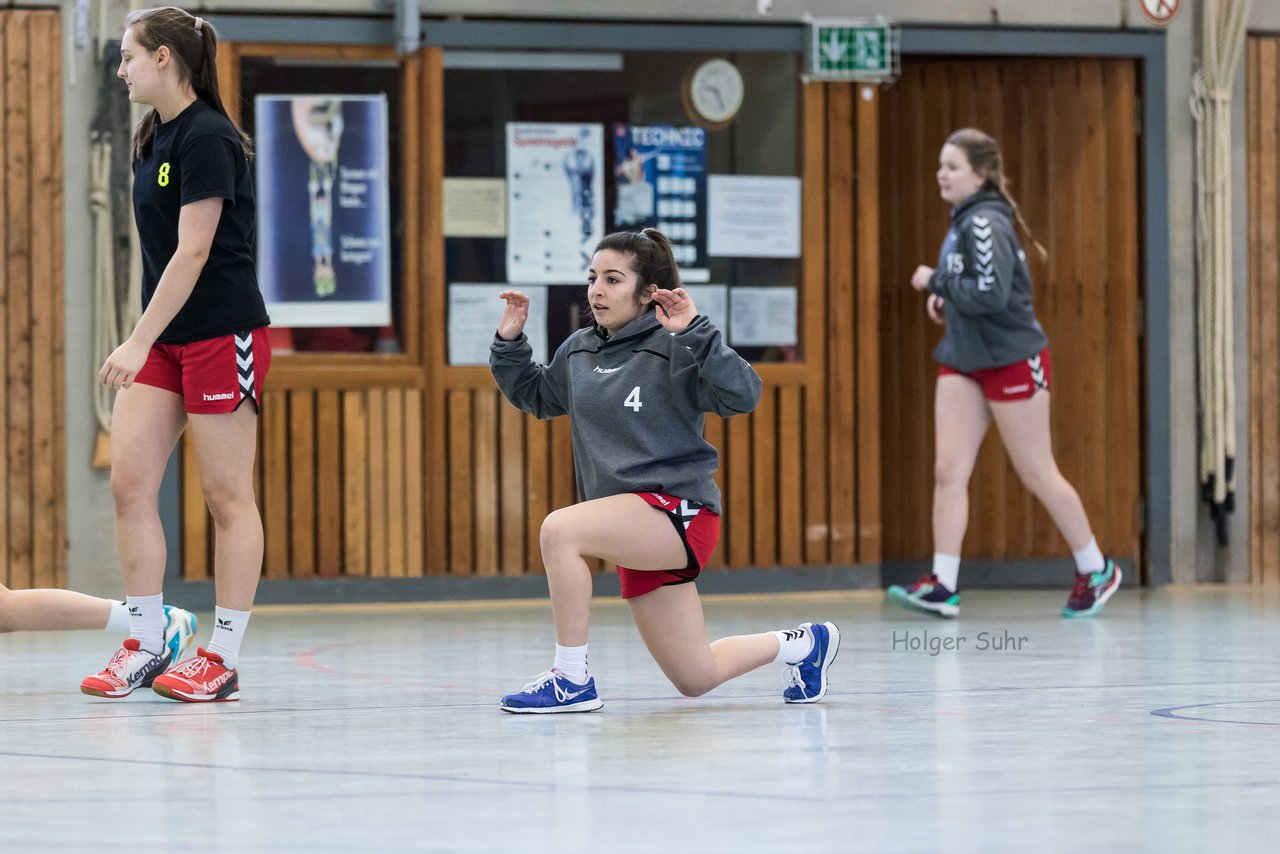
(712, 302)
(753, 217)
(475, 207)
(762, 317)
(555, 200)
(474, 312)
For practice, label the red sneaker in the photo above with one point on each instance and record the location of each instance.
(131, 667)
(203, 678)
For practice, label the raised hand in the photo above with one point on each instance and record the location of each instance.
(675, 308)
(514, 315)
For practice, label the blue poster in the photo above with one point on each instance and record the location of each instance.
(661, 177)
(323, 209)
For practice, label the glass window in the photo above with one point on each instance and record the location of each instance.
(485, 92)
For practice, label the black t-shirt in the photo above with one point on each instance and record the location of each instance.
(197, 155)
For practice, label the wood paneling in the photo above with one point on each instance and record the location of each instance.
(1071, 148)
(32, 460)
(1263, 144)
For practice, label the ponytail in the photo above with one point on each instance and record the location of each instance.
(193, 43)
(985, 158)
(652, 258)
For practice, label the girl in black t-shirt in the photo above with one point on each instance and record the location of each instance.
(197, 355)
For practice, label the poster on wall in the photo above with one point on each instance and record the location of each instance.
(324, 222)
(662, 182)
(555, 200)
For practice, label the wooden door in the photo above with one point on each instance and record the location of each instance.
(1070, 140)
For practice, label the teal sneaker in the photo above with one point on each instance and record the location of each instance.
(179, 632)
(1092, 591)
(927, 595)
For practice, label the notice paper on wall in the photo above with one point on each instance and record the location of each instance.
(749, 216)
(762, 317)
(712, 302)
(474, 312)
(475, 207)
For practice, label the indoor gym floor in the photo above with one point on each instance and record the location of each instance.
(1154, 727)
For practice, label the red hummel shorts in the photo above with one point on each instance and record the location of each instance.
(214, 375)
(1019, 381)
(699, 530)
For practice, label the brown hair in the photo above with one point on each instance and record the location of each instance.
(194, 46)
(652, 258)
(984, 157)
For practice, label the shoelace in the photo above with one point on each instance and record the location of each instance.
(927, 579)
(791, 677)
(119, 661)
(1081, 587)
(194, 668)
(538, 681)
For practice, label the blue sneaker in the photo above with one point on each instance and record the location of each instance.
(807, 679)
(179, 632)
(1092, 591)
(549, 693)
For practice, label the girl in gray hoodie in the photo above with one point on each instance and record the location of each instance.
(635, 386)
(993, 365)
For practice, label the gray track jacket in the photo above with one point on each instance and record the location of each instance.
(636, 403)
(982, 274)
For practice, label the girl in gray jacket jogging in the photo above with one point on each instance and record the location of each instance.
(636, 385)
(993, 365)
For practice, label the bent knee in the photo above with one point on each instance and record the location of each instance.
(693, 687)
(556, 531)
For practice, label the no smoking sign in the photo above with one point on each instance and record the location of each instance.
(1160, 12)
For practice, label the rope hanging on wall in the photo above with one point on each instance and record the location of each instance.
(116, 296)
(1224, 27)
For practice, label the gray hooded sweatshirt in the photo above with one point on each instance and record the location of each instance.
(635, 403)
(982, 274)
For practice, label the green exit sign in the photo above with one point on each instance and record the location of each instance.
(853, 50)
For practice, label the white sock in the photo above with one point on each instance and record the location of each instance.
(228, 631)
(794, 645)
(571, 663)
(118, 619)
(146, 621)
(947, 568)
(1089, 559)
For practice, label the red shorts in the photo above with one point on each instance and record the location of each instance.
(214, 375)
(699, 530)
(1019, 381)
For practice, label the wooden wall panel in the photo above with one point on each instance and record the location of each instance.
(32, 466)
(1071, 148)
(1263, 143)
